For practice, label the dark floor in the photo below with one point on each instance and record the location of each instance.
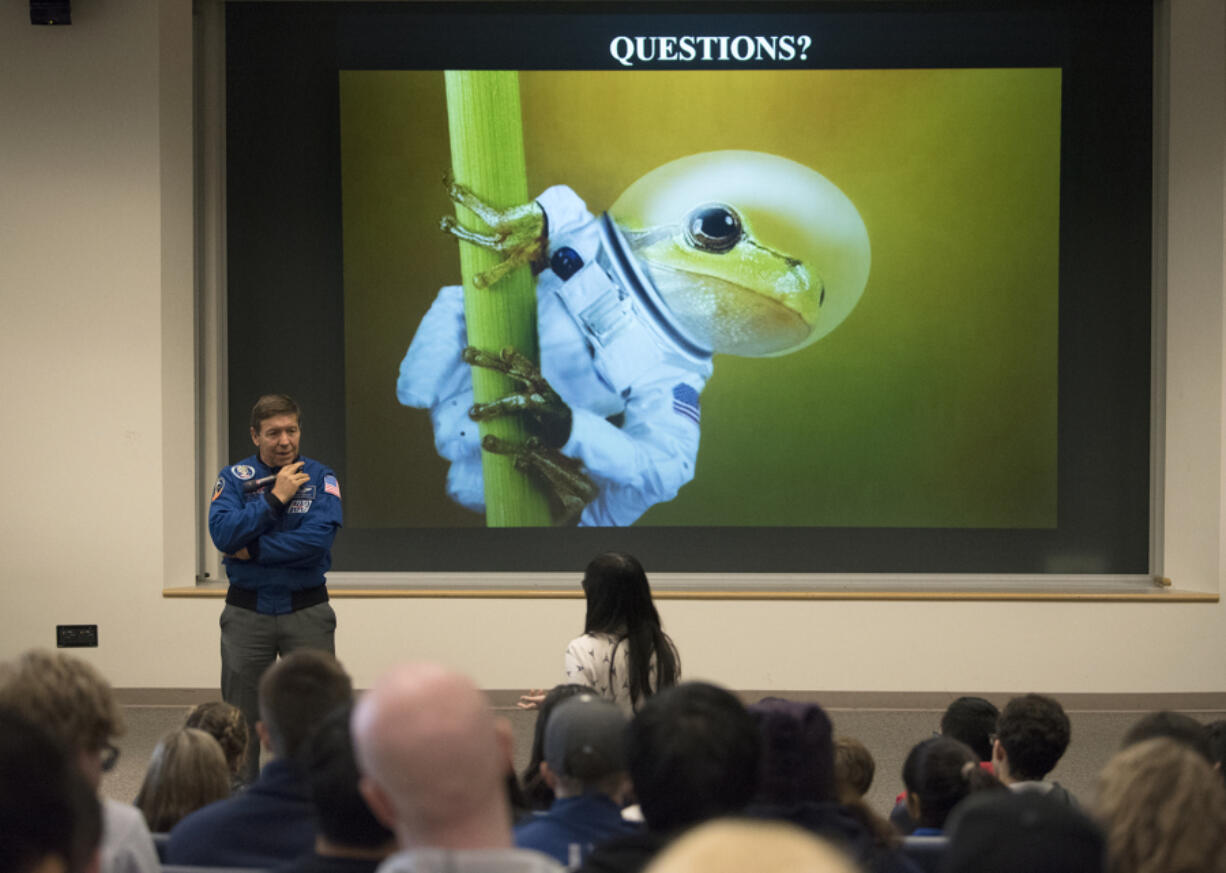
(888, 733)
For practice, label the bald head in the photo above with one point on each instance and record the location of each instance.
(730, 846)
(434, 759)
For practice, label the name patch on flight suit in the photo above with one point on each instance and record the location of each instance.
(298, 506)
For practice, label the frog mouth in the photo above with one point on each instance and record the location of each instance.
(728, 317)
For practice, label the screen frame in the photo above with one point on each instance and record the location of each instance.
(216, 449)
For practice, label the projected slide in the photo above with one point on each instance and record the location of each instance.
(765, 298)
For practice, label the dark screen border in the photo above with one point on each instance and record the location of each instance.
(285, 293)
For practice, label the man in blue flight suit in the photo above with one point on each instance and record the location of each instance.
(274, 516)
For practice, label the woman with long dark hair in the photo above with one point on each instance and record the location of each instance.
(938, 774)
(624, 653)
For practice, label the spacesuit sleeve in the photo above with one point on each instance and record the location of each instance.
(647, 459)
(233, 522)
(564, 210)
(432, 369)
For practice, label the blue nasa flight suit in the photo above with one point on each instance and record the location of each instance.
(611, 351)
(277, 600)
(290, 545)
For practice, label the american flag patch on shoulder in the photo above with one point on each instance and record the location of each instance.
(685, 401)
(331, 486)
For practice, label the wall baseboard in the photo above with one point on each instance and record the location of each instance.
(936, 701)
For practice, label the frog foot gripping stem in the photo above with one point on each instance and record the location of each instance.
(533, 395)
(517, 233)
(566, 484)
(569, 489)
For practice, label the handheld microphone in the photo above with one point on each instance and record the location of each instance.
(257, 484)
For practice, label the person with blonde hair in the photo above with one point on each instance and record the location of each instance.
(734, 846)
(226, 724)
(70, 700)
(1164, 809)
(273, 821)
(187, 771)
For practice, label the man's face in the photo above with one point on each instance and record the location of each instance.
(277, 440)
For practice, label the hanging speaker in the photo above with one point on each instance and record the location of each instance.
(50, 12)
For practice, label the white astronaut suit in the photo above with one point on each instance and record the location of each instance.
(609, 347)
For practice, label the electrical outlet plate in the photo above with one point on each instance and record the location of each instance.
(74, 636)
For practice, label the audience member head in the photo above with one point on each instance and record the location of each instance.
(619, 602)
(938, 774)
(187, 771)
(1217, 744)
(854, 769)
(295, 694)
(536, 791)
(1164, 809)
(69, 699)
(797, 764)
(1021, 832)
(736, 846)
(692, 752)
(227, 725)
(50, 818)
(584, 748)
(972, 720)
(1174, 726)
(343, 820)
(434, 759)
(1031, 736)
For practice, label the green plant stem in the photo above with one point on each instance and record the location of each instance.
(487, 155)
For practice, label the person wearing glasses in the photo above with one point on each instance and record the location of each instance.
(71, 700)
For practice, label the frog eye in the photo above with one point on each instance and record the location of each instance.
(713, 228)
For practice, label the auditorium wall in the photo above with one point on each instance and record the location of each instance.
(98, 426)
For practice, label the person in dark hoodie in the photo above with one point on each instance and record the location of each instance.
(692, 753)
(796, 784)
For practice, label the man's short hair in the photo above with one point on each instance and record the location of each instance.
(63, 694)
(692, 752)
(1034, 731)
(341, 815)
(972, 720)
(271, 405)
(295, 695)
(1174, 726)
(47, 809)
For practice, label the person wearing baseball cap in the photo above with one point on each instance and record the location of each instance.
(585, 765)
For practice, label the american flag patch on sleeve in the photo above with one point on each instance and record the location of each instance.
(685, 401)
(331, 486)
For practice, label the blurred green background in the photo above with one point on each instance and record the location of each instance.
(932, 405)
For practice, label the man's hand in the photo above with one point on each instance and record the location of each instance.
(242, 554)
(289, 480)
